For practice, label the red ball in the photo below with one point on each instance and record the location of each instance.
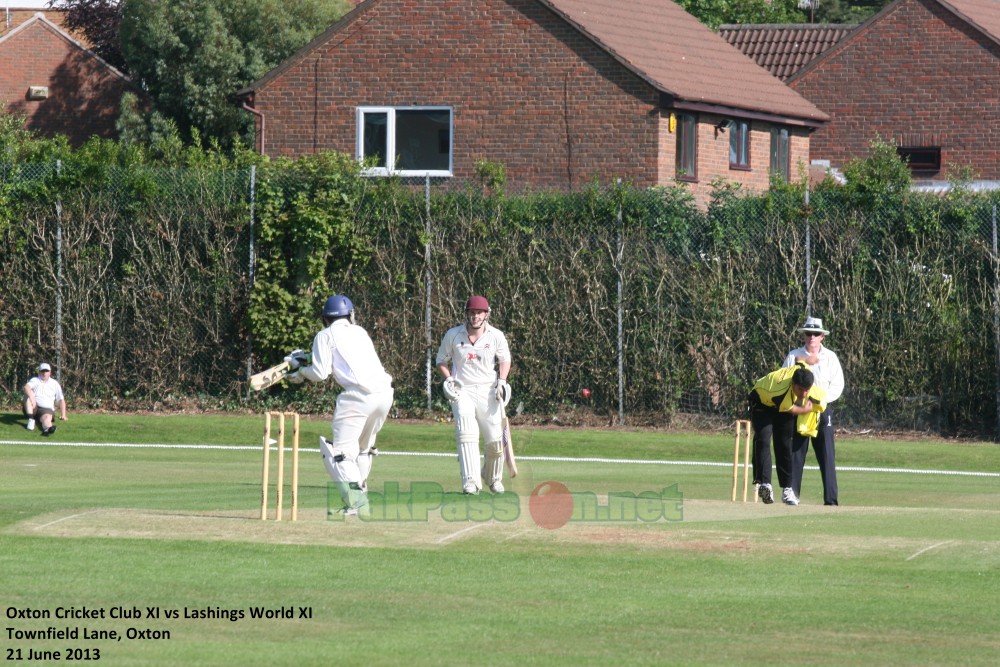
(585, 392)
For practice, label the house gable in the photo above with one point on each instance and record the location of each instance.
(524, 89)
(58, 85)
(924, 74)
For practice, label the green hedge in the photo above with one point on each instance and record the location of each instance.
(180, 270)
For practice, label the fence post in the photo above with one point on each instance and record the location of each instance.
(996, 322)
(809, 303)
(427, 288)
(252, 266)
(59, 278)
(621, 315)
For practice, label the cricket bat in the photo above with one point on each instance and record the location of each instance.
(271, 376)
(508, 449)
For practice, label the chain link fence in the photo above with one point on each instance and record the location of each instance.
(136, 285)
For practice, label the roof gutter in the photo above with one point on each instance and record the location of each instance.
(671, 102)
(260, 138)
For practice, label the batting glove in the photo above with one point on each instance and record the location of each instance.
(295, 378)
(297, 358)
(502, 390)
(452, 388)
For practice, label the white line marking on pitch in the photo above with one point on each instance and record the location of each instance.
(517, 534)
(926, 549)
(66, 518)
(460, 532)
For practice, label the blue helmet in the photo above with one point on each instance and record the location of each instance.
(338, 305)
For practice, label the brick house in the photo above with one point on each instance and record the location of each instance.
(924, 74)
(559, 91)
(57, 83)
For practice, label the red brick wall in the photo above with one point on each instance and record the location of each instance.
(84, 94)
(713, 156)
(525, 90)
(918, 75)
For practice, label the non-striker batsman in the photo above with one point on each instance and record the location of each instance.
(345, 350)
(474, 359)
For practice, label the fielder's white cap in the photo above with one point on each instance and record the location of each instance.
(813, 324)
(44, 367)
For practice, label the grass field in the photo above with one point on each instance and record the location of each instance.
(165, 542)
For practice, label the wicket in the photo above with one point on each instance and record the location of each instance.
(743, 429)
(280, 481)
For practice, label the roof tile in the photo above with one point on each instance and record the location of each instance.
(786, 48)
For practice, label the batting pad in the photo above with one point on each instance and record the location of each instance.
(339, 467)
(468, 462)
(365, 460)
(493, 465)
(351, 495)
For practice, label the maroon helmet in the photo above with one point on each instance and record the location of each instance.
(477, 303)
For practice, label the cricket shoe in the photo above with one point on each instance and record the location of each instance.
(765, 493)
(497, 487)
(31, 425)
(470, 489)
(49, 431)
(788, 496)
(344, 511)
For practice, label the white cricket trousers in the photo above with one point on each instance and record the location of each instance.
(357, 419)
(477, 411)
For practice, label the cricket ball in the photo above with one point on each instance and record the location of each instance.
(585, 392)
(551, 505)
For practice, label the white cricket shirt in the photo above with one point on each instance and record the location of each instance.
(345, 351)
(473, 363)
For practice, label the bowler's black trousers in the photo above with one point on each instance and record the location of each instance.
(768, 425)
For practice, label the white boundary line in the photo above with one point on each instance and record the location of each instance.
(565, 459)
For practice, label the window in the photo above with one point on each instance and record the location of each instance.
(739, 144)
(687, 141)
(923, 161)
(780, 153)
(409, 141)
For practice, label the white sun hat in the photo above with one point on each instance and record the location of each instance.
(813, 324)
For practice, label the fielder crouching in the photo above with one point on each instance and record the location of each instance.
(474, 359)
(345, 350)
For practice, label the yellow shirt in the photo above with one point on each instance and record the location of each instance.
(775, 391)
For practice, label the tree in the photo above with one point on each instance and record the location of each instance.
(844, 11)
(192, 55)
(880, 178)
(714, 13)
(98, 22)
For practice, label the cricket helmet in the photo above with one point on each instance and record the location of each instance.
(336, 306)
(477, 303)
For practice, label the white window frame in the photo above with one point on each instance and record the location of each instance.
(389, 169)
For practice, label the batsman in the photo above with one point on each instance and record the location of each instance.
(345, 350)
(474, 359)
